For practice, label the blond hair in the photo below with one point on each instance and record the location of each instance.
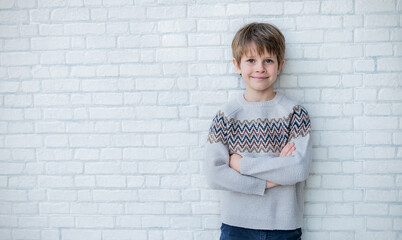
(265, 37)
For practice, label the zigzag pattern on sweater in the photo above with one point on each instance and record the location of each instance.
(259, 135)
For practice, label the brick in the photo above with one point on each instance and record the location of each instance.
(124, 13)
(49, 234)
(371, 209)
(208, 97)
(318, 22)
(299, 66)
(375, 123)
(70, 14)
(166, 12)
(116, 28)
(153, 112)
(101, 42)
(13, 17)
(155, 222)
(159, 195)
(51, 99)
(378, 138)
(109, 3)
(378, 109)
(18, 101)
(54, 154)
(334, 138)
(326, 167)
(140, 69)
(157, 167)
(387, 79)
(371, 6)
(7, 4)
(64, 168)
(340, 209)
(128, 221)
(237, 9)
(202, 11)
(84, 28)
(387, 20)
(124, 234)
(389, 64)
(364, 65)
(374, 181)
(379, 167)
(344, 51)
(334, 95)
(94, 222)
(181, 25)
(366, 95)
(80, 234)
(62, 195)
(203, 39)
(115, 195)
(172, 98)
(55, 181)
(16, 44)
(175, 54)
(21, 182)
(26, 234)
(154, 83)
(338, 7)
(126, 56)
(316, 36)
(110, 113)
(23, 141)
(266, 9)
(19, 59)
(353, 21)
(390, 94)
(334, 181)
(343, 223)
(371, 35)
(380, 196)
(174, 40)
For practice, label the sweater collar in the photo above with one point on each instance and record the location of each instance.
(275, 100)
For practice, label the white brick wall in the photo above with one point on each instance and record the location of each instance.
(105, 108)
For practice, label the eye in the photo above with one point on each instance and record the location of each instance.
(269, 61)
(250, 60)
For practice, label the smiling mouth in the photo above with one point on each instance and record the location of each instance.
(260, 78)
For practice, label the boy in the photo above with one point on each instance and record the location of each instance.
(259, 145)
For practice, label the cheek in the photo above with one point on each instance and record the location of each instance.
(273, 69)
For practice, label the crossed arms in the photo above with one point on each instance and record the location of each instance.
(235, 160)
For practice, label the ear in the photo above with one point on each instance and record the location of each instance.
(237, 66)
(280, 66)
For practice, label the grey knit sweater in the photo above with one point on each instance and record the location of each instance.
(258, 131)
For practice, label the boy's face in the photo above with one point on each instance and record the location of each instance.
(259, 72)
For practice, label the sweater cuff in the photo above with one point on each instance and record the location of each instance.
(245, 166)
(260, 187)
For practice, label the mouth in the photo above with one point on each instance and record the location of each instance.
(259, 78)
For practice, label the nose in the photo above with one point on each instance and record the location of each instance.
(260, 66)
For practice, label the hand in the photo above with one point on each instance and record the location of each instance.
(271, 184)
(288, 150)
(234, 161)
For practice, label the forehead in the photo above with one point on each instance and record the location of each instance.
(252, 50)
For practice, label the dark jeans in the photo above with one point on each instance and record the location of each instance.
(237, 233)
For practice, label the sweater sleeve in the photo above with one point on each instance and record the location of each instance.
(219, 175)
(285, 170)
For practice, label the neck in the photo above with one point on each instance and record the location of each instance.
(259, 97)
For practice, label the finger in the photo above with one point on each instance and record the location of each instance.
(291, 150)
(288, 149)
(285, 150)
